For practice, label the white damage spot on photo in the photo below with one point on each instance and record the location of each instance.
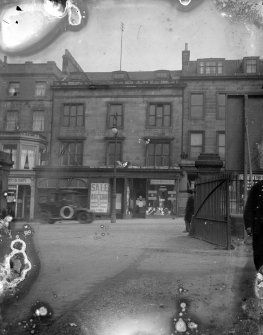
(35, 21)
(15, 267)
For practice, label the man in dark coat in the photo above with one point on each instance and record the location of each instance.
(189, 212)
(253, 219)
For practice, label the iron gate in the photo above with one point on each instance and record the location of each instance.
(211, 220)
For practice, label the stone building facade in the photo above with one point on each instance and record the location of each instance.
(57, 125)
(218, 97)
(146, 108)
(25, 127)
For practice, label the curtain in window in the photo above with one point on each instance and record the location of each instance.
(38, 121)
(40, 90)
(11, 120)
(12, 150)
(27, 158)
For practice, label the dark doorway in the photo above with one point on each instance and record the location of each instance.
(139, 198)
(23, 202)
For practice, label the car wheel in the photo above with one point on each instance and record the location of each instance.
(84, 217)
(67, 212)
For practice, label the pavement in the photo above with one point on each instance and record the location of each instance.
(136, 277)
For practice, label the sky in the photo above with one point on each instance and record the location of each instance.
(155, 33)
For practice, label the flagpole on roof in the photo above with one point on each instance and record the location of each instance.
(122, 30)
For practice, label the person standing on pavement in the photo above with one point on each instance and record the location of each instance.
(189, 212)
(253, 221)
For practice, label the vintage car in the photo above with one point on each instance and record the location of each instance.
(64, 205)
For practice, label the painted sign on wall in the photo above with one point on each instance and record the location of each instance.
(99, 197)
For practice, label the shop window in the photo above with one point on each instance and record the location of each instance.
(196, 105)
(159, 115)
(161, 198)
(11, 149)
(12, 120)
(111, 151)
(221, 106)
(38, 121)
(158, 154)
(40, 89)
(196, 144)
(221, 145)
(71, 153)
(27, 159)
(73, 115)
(14, 89)
(115, 116)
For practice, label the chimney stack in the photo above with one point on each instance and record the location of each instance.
(185, 58)
(5, 59)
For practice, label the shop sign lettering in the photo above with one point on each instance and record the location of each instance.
(19, 180)
(99, 197)
(162, 182)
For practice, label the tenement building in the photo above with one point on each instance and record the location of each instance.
(222, 105)
(65, 129)
(146, 110)
(25, 110)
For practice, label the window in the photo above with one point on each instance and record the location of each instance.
(221, 144)
(12, 150)
(119, 76)
(110, 152)
(211, 67)
(12, 120)
(73, 115)
(115, 116)
(159, 115)
(158, 154)
(196, 144)
(163, 75)
(197, 102)
(71, 153)
(221, 106)
(251, 65)
(14, 89)
(40, 89)
(27, 159)
(38, 121)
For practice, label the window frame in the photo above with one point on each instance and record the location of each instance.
(17, 125)
(33, 113)
(218, 133)
(218, 105)
(155, 143)
(17, 92)
(156, 104)
(190, 106)
(250, 59)
(202, 132)
(70, 105)
(108, 123)
(120, 157)
(66, 144)
(14, 145)
(204, 65)
(45, 89)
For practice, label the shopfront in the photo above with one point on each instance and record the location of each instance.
(21, 197)
(139, 194)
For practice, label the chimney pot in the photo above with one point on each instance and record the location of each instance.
(186, 46)
(5, 59)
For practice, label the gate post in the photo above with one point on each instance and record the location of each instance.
(208, 164)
